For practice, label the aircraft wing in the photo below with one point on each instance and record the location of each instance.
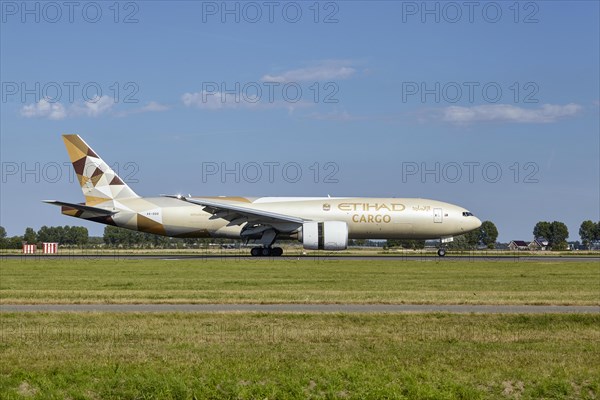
(237, 215)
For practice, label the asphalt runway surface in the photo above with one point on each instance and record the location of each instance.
(168, 257)
(302, 308)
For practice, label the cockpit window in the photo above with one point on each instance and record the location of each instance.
(467, 214)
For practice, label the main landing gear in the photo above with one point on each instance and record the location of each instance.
(266, 251)
(441, 252)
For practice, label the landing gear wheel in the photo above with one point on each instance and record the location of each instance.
(266, 251)
(441, 252)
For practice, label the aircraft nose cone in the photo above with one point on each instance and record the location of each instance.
(471, 224)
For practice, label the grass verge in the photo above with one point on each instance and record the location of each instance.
(298, 281)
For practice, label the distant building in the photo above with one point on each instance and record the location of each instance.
(538, 244)
(518, 245)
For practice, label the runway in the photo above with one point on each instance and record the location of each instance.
(513, 257)
(302, 308)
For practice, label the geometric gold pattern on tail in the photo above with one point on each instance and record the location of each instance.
(98, 181)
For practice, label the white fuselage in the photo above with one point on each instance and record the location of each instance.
(367, 218)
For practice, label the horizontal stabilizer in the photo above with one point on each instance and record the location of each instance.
(82, 207)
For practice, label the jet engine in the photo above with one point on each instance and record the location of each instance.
(328, 235)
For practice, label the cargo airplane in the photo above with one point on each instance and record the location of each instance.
(319, 223)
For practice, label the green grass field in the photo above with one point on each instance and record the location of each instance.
(291, 280)
(280, 356)
(297, 356)
(183, 356)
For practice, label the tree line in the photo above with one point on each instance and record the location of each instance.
(485, 236)
(589, 231)
(556, 233)
(63, 235)
(120, 237)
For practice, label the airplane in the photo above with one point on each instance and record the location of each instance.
(319, 223)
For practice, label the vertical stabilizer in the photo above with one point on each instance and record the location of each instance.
(98, 181)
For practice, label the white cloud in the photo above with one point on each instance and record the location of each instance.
(547, 113)
(93, 108)
(217, 100)
(339, 116)
(264, 98)
(220, 101)
(327, 70)
(153, 106)
(44, 109)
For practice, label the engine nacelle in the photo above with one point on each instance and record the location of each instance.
(328, 235)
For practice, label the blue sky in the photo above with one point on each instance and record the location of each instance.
(504, 87)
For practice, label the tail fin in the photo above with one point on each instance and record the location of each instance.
(98, 181)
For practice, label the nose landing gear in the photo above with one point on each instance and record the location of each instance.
(442, 250)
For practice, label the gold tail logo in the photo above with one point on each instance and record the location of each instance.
(98, 181)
